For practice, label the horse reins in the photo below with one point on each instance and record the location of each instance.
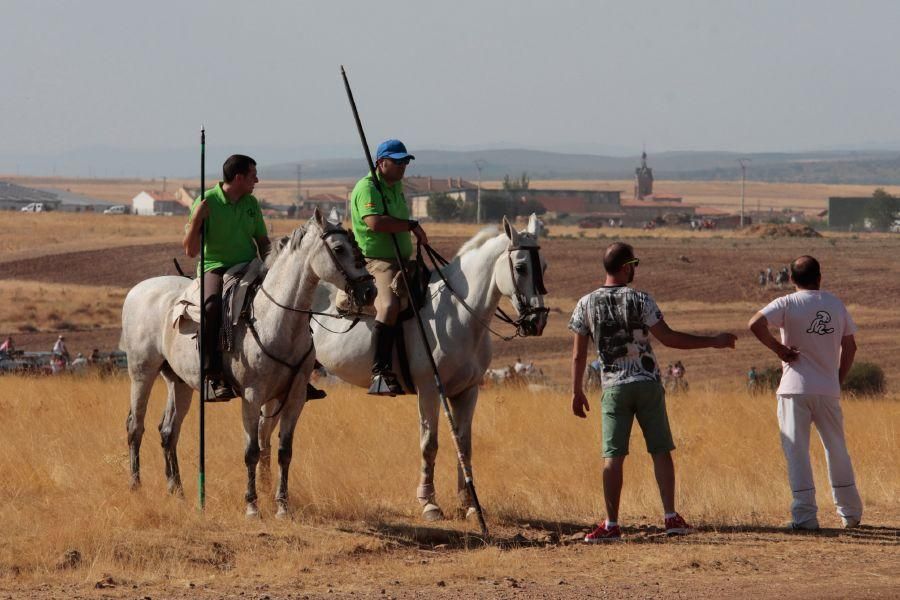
(525, 309)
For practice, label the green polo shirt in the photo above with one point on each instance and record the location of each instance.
(231, 229)
(364, 201)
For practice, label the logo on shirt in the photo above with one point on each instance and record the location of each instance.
(820, 324)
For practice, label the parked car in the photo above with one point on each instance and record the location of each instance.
(118, 209)
(34, 207)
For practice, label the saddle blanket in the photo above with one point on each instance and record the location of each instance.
(236, 285)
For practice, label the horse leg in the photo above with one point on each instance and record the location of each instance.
(250, 413)
(141, 384)
(170, 428)
(463, 408)
(428, 443)
(266, 428)
(289, 416)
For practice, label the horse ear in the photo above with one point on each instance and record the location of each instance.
(317, 215)
(333, 217)
(510, 231)
(535, 226)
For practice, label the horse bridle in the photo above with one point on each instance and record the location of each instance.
(348, 288)
(537, 277)
(357, 255)
(524, 309)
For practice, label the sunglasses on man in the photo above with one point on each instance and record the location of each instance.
(402, 161)
(633, 261)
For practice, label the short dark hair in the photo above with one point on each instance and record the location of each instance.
(236, 164)
(616, 255)
(805, 271)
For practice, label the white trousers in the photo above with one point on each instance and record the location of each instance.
(796, 412)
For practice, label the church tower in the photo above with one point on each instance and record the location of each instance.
(643, 179)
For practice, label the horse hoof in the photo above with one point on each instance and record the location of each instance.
(252, 511)
(432, 512)
(471, 513)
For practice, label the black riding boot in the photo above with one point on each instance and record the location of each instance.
(384, 382)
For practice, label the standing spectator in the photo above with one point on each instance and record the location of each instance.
(7, 347)
(59, 348)
(769, 277)
(619, 320)
(817, 349)
(762, 279)
(94, 357)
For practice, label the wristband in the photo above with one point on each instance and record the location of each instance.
(413, 224)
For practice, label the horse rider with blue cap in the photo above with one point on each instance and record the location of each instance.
(377, 213)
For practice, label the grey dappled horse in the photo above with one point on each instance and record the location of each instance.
(272, 366)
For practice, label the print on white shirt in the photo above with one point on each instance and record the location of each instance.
(819, 324)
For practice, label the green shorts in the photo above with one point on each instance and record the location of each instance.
(647, 401)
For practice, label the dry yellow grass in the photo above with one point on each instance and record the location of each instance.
(122, 191)
(65, 463)
(58, 306)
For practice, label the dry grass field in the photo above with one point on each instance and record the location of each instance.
(356, 529)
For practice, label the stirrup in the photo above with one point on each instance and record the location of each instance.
(385, 384)
(219, 391)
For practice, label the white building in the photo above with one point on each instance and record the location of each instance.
(158, 203)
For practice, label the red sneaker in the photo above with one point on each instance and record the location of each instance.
(677, 526)
(602, 534)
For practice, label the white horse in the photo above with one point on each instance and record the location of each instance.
(273, 356)
(487, 267)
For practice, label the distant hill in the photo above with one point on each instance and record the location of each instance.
(870, 167)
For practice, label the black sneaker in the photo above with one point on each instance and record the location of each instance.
(385, 384)
(314, 393)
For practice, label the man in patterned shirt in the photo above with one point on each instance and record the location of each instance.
(619, 319)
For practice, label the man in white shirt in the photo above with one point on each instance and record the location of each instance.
(817, 349)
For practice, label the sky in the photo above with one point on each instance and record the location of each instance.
(591, 76)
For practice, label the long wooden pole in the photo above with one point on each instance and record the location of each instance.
(463, 462)
(201, 479)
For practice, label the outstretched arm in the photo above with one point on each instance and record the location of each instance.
(686, 341)
(759, 325)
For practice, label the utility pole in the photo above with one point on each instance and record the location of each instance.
(299, 178)
(479, 164)
(743, 162)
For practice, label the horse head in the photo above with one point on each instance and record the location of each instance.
(519, 273)
(342, 263)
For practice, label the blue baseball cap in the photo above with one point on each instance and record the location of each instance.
(393, 149)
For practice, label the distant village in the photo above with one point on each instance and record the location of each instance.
(643, 206)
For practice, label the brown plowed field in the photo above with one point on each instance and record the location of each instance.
(703, 284)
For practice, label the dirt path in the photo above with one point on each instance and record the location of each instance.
(528, 560)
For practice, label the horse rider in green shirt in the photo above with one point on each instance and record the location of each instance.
(375, 218)
(236, 233)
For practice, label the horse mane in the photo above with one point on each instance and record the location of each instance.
(479, 240)
(292, 242)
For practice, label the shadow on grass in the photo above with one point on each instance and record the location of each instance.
(531, 533)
